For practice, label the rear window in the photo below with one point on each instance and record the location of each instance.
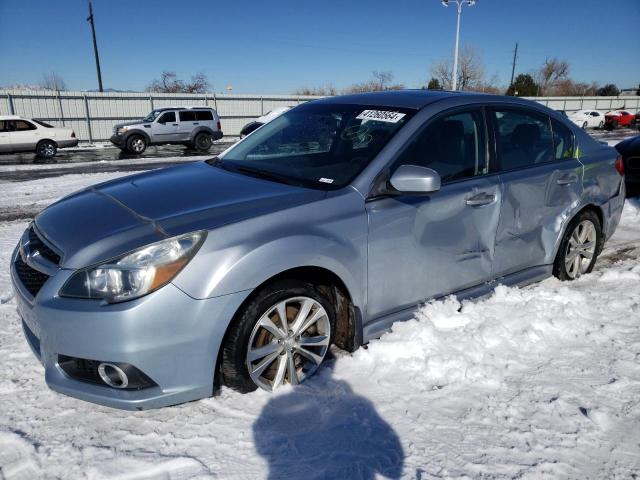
(43, 124)
(204, 115)
(187, 116)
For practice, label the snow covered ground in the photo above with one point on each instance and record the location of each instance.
(540, 382)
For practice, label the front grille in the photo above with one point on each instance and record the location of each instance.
(36, 243)
(32, 279)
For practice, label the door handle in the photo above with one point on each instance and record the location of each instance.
(481, 199)
(567, 179)
(174, 124)
(196, 123)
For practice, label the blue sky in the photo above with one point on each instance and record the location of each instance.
(281, 45)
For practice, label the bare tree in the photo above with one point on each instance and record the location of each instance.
(52, 81)
(326, 91)
(170, 83)
(551, 72)
(470, 70)
(381, 81)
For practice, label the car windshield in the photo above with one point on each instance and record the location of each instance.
(316, 145)
(152, 116)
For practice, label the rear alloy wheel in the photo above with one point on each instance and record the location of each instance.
(136, 144)
(579, 248)
(46, 149)
(202, 142)
(281, 337)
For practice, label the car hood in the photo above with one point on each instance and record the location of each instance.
(112, 218)
(129, 123)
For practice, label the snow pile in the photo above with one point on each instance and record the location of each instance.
(539, 382)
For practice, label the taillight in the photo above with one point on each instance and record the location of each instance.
(73, 134)
(619, 165)
(219, 126)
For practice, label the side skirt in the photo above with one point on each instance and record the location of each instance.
(379, 326)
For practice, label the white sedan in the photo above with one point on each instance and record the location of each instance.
(588, 118)
(19, 134)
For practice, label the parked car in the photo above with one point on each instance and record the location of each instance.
(266, 118)
(19, 134)
(195, 127)
(619, 118)
(588, 119)
(630, 151)
(326, 226)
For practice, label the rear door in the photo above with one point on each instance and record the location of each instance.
(188, 122)
(422, 247)
(165, 128)
(541, 181)
(5, 140)
(23, 135)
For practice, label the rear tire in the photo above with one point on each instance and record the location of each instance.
(202, 142)
(136, 144)
(46, 149)
(258, 326)
(580, 247)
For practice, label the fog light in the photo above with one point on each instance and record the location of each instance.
(113, 375)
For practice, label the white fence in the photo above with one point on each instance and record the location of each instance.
(92, 115)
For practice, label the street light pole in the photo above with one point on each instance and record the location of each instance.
(95, 45)
(459, 3)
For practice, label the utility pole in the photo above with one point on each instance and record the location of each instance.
(95, 45)
(513, 68)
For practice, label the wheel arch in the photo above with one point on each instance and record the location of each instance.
(588, 207)
(137, 132)
(198, 130)
(46, 140)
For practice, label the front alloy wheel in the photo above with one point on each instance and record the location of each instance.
(281, 335)
(46, 149)
(288, 343)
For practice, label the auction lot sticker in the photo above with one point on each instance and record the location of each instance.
(381, 116)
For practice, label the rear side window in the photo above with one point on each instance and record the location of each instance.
(167, 117)
(562, 141)
(44, 124)
(523, 138)
(453, 146)
(187, 116)
(204, 115)
(21, 125)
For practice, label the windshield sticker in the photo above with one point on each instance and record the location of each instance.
(326, 180)
(381, 116)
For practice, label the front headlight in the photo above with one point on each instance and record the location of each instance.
(121, 130)
(135, 274)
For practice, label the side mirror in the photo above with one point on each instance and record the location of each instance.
(416, 180)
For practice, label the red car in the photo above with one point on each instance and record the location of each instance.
(619, 118)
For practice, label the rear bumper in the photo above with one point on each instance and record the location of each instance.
(72, 142)
(171, 337)
(217, 135)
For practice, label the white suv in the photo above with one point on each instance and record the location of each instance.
(195, 127)
(19, 134)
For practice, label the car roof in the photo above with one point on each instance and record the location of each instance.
(414, 99)
(194, 107)
(10, 117)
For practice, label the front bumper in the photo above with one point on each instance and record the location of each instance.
(117, 140)
(171, 337)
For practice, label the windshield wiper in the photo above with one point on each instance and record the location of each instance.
(256, 172)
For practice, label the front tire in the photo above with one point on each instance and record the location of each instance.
(136, 144)
(281, 336)
(46, 149)
(584, 126)
(580, 247)
(202, 142)
(601, 126)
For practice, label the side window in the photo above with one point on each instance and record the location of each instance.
(21, 125)
(4, 126)
(167, 117)
(187, 116)
(562, 141)
(595, 114)
(453, 146)
(523, 138)
(204, 115)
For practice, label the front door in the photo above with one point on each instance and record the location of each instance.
(542, 182)
(422, 247)
(165, 128)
